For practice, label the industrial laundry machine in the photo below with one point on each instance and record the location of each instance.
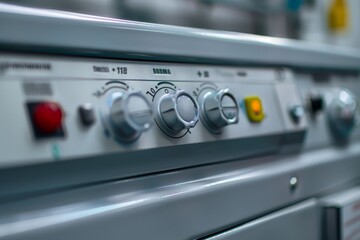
(113, 129)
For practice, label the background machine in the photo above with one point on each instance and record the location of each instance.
(112, 129)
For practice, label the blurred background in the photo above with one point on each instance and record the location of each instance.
(329, 21)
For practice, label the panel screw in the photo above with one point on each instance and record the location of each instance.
(293, 183)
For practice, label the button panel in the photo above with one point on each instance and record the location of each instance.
(110, 112)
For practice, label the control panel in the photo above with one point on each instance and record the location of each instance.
(97, 119)
(331, 105)
(57, 108)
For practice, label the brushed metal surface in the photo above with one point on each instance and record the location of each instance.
(182, 204)
(24, 28)
(298, 222)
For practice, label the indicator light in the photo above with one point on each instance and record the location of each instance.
(254, 108)
(46, 119)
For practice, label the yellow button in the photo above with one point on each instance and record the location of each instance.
(254, 109)
(338, 15)
(256, 106)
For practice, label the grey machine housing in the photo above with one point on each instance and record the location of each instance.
(262, 195)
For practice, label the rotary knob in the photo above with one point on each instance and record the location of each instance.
(130, 115)
(343, 114)
(177, 112)
(220, 109)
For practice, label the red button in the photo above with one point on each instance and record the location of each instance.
(47, 117)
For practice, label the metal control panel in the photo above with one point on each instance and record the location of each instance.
(65, 108)
(115, 118)
(209, 134)
(331, 103)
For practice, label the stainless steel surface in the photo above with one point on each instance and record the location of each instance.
(298, 222)
(341, 215)
(245, 177)
(187, 204)
(136, 40)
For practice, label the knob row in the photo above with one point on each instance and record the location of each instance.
(131, 113)
(179, 111)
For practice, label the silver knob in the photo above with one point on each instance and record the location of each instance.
(220, 109)
(343, 114)
(130, 115)
(178, 111)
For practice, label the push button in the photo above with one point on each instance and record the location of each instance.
(296, 113)
(87, 114)
(316, 104)
(46, 118)
(254, 109)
